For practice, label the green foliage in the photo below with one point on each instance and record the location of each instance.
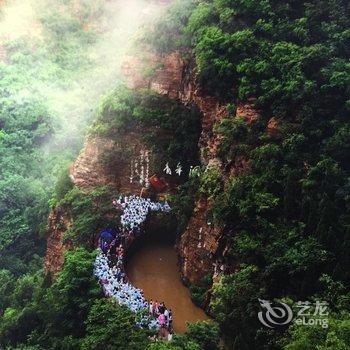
(67, 302)
(335, 337)
(50, 316)
(182, 203)
(334, 293)
(6, 286)
(169, 32)
(205, 333)
(112, 327)
(170, 129)
(63, 185)
(285, 216)
(237, 138)
(88, 210)
(211, 182)
(24, 255)
(200, 336)
(70, 314)
(34, 146)
(180, 343)
(23, 207)
(234, 303)
(285, 212)
(198, 295)
(278, 52)
(25, 125)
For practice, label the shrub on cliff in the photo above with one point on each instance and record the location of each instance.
(211, 183)
(63, 185)
(89, 211)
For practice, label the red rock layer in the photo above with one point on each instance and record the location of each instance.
(175, 77)
(58, 223)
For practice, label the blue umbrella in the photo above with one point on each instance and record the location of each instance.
(106, 235)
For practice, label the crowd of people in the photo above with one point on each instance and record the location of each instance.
(135, 210)
(109, 267)
(164, 316)
(115, 285)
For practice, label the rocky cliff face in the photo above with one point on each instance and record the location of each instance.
(87, 170)
(58, 223)
(91, 170)
(202, 242)
(103, 161)
(175, 77)
(100, 162)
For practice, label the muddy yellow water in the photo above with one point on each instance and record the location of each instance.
(154, 269)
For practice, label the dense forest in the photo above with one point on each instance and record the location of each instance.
(286, 221)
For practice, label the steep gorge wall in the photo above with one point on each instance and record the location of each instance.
(58, 223)
(101, 163)
(202, 242)
(89, 172)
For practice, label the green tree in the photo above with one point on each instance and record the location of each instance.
(112, 327)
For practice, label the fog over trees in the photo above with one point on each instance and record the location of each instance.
(286, 220)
